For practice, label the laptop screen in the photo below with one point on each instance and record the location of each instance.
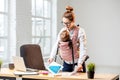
(19, 63)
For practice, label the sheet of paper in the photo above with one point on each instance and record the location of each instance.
(25, 73)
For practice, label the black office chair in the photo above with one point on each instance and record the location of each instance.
(32, 56)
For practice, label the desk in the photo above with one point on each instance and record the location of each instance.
(5, 72)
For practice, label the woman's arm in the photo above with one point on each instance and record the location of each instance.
(54, 48)
(82, 47)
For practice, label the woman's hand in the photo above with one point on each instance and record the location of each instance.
(50, 60)
(79, 67)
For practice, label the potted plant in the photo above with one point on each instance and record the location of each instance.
(90, 70)
(0, 63)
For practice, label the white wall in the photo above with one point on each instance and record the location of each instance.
(23, 23)
(101, 21)
(61, 4)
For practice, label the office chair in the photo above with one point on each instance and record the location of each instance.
(32, 56)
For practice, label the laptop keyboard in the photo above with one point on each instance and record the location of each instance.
(32, 70)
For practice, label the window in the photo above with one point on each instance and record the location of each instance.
(7, 31)
(41, 24)
(3, 29)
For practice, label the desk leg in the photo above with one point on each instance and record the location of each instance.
(19, 78)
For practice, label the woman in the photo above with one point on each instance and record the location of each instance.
(78, 37)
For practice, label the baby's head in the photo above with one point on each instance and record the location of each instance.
(64, 36)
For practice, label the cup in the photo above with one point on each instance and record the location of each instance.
(11, 66)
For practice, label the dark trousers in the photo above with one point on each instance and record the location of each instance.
(68, 67)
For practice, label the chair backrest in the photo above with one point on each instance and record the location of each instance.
(32, 56)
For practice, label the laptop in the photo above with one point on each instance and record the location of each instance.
(20, 65)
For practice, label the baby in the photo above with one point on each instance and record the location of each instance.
(65, 37)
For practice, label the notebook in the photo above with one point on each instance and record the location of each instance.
(54, 67)
(20, 67)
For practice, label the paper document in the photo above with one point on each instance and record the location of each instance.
(25, 73)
